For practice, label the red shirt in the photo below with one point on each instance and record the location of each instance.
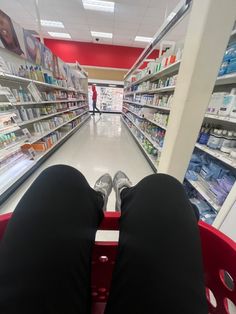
(95, 94)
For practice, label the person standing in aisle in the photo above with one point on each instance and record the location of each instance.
(94, 98)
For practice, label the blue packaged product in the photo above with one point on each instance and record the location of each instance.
(226, 182)
(191, 175)
(230, 52)
(201, 205)
(223, 68)
(231, 66)
(219, 194)
(208, 217)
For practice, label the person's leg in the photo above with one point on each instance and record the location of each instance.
(45, 254)
(94, 107)
(159, 264)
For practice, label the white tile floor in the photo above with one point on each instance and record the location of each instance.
(101, 145)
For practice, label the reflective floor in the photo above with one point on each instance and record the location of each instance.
(102, 145)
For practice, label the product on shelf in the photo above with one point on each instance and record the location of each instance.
(212, 176)
(217, 138)
(168, 58)
(229, 60)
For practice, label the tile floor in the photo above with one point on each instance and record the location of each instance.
(102, 145)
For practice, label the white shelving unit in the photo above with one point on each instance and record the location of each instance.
(169, 70)
(49, 115)
(36, 138)
(150, 158)
(200, 186)
(15, 170)
(19, 170)
(144, 134)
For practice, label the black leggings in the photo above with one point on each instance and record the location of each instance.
(95, 107)
(45, 254)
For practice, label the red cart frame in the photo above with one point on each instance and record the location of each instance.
(219, 257)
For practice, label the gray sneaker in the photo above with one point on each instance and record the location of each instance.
(120, 182)
(104, 186)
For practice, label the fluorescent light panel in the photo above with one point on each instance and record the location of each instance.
(98, 5)
(52, 23)
(59, 35)
(143, 39)
(100, 34)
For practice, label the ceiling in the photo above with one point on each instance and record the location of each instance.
(131, 18)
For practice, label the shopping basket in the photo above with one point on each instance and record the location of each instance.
(219, 258)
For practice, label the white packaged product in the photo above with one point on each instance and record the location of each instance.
(227, 143)
(228, 103)
(233, 110)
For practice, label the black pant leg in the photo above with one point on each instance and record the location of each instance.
(45, 255)
(159, 264)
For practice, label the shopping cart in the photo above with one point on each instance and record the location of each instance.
(219, 257)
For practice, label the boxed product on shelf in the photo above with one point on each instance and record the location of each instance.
(213, 176)
(229, 60)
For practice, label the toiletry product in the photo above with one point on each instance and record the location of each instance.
(228, 103)
(227, 143)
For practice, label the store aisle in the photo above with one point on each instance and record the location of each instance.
(102, 145)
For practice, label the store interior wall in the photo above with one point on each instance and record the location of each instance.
(98, 55)
(105, 73)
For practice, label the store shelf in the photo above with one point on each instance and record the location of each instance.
(166, 71)
(219, 118)
(15, 175)
(218, 155)
(15, 78)
(9, 130)
(157, 107)
(133, 113)
(162, 90)
(226, 79)
(154, 76)
(132, 102)
(11, 148)
(233, 32)
(49, 115)
(37, 138)
(41, 155)
(144, 134)
(46, 102)
(202, 187)
(147, 106)
(156, 123)
(153, 91)
(150, 159)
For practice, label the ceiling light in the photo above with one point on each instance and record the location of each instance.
(98, 5)
(59, 35)
(100, 34)
(144, 39)
(52, 23)
(112, 85)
